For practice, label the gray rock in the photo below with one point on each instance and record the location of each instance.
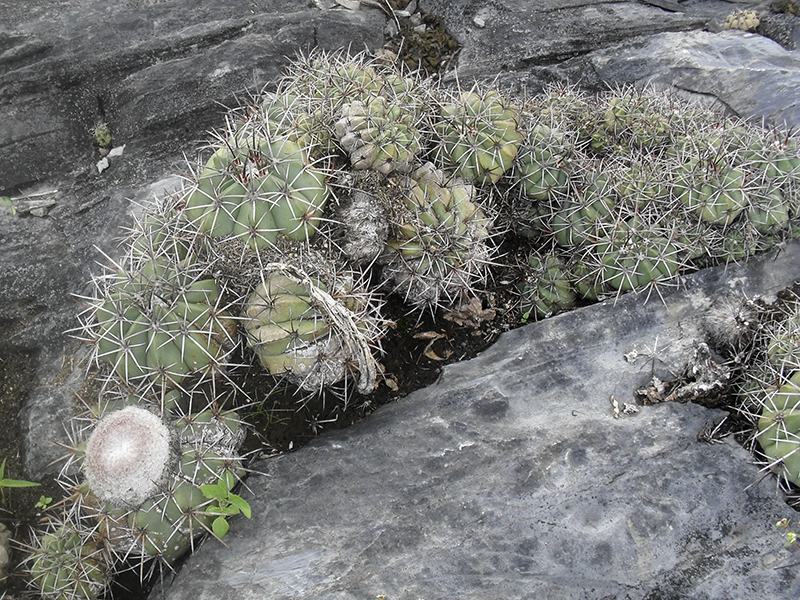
(602, 44)
(516, 36)
(781, 27)
(511, 478)
(157, 73)
(750, 74)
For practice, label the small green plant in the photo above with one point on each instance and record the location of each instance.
(11, 483)
(227, 504)
(792, 540)
(43, 502)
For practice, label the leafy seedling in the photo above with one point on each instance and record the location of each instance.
(43, 502)
(227, 504)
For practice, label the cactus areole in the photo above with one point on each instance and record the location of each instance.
(127, 456)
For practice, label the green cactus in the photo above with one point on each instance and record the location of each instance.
(633, 257)
(299, 330)
(103, 138)
(779, 430)
(282, 323)
(631, 118)
(715, 192)
(583, 216)
(560, 104)
(542, 165)
(617, 247)
(783, 347)
(161, 323)
(379, 135)
(478, 135)
(255, 188)
(68, 563)
(587, 280)
(287, 115)
(640, 184)
(440, 246)
(546, 289)
(316, 87)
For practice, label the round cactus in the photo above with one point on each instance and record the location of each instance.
(128, 457)
(300, 331)
(637, 260)
(68, 563)
(714, 192)
(478, 135)
(641, 185)
(547, 289)
(287, 115)
(783, 347)
(779, 430)
(744, 20)
(583, 216)
(440, 246)
(161, 323)
(255, 188)
(379, 135)
(542, 165)
(315, 89)
(630, 119)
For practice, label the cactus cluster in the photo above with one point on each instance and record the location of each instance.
(744, 20)
(637, 187)
(157, 316)
(349, 180)
(135, 480)
(441, 243)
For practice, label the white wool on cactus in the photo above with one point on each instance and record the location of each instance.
(127, 456)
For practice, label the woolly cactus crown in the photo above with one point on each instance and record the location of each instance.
(127, 456)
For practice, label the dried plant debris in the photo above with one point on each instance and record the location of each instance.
(703, 381)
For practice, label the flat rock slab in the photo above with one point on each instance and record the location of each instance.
(600, 44)
(515, 35)
(510, 478)
(156, 72)
(751, 75)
